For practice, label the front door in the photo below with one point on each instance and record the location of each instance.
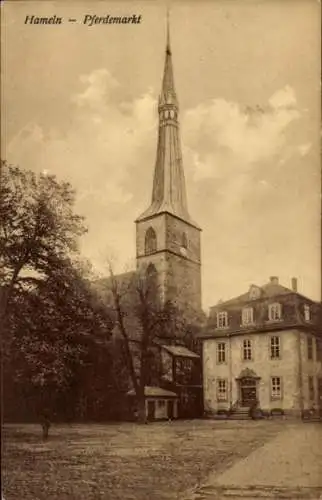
(248, 392)
(151, 410)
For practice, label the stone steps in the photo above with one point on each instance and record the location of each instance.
(240, 413)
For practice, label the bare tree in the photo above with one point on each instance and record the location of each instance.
(145, 323)
(137, 313)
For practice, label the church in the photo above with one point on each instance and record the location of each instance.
(168, 253)
(167, 238)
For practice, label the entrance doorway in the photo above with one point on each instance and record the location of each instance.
(248, 391)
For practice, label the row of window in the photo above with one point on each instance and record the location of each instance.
(151, 241)
(274, 349)
(247, 317)
(275, 388)
(247, 351)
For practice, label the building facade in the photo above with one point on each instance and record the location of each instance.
(264, 346)
(160, 404)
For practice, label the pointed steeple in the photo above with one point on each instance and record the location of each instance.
(168, 80)
(169, 189)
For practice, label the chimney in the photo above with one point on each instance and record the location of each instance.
(274, 280)
(294, 284)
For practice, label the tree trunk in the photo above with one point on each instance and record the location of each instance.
(45, 430)
(142, 418)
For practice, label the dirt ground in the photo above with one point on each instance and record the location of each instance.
(124, 461)
(288, 466)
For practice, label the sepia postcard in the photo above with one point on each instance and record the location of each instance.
(160, 249)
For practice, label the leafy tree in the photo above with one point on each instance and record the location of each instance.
(38, 228)
(50, 314)
(54, 329)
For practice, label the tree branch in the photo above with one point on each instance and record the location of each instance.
(120, 318)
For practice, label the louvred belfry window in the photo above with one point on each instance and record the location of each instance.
(150, 241)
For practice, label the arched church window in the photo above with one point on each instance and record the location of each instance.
(150, 241)
(151, 272)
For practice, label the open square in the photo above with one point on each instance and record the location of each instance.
(127, 461)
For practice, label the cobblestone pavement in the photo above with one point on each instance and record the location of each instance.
(287, 467)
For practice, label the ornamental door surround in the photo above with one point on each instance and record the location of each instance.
(247, 387)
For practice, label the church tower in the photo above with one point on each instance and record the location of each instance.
(167, 239)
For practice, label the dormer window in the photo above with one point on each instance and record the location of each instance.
(254, 292)
(222, 320)
(247, 316)
(150, 241)
(275, 312)
(307, 312)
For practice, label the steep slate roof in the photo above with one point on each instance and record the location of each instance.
(155, 392)
(293, 314)
(267, 291)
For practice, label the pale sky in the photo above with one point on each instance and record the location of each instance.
(81, 102)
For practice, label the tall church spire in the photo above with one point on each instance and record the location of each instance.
(168, 80)
(167, 240)
(169, 189)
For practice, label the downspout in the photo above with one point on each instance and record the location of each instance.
(230, 375)
(300, 360)
(300, 373)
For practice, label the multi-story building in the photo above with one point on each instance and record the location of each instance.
(264, 346)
